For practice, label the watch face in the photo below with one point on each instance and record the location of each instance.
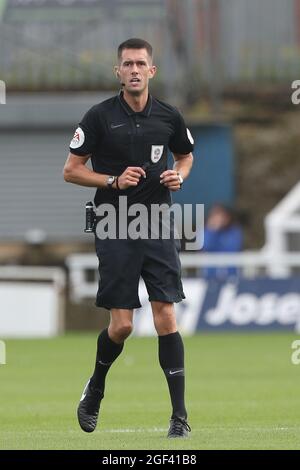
(110, 180)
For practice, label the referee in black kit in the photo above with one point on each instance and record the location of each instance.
(127, 138)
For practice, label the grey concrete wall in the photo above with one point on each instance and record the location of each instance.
(35, 133)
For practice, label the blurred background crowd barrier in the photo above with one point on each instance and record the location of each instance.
(229, 66)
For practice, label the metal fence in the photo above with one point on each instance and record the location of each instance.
(53, 44)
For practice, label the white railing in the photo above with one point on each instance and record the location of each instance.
(80, 286)
(251, 263)
(34, 273)
(281, 221)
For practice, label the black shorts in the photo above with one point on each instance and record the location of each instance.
(123, 262)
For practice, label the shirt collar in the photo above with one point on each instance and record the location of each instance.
(146, 111)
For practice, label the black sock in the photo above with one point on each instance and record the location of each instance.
(107, 353)
(171, 359)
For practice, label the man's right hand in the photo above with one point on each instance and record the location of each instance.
(130, 177)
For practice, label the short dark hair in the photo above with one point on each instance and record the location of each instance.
(135, 43)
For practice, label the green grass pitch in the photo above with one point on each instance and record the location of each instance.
(242, 393)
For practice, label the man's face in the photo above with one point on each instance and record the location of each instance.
(134, 70)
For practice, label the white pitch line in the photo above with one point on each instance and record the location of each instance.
(211, 429)
(139, 430)
(208, 428)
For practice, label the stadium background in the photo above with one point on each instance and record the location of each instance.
(229, 67)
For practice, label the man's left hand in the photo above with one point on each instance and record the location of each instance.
(170, 179)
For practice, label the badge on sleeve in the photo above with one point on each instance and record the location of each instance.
(78, 139)
(156, 152)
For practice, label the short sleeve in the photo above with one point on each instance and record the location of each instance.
(181, 141)
(87, 134)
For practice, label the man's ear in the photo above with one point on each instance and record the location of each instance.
(152, 71)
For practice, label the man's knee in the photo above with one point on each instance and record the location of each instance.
(120, 331)
(125, 329)
(120, 325)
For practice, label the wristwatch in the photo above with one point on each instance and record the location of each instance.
(180, 178)
(110, 181)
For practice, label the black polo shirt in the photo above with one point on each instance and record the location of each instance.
(117, 137)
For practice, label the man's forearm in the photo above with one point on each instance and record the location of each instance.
(83, 176)
(184, 165)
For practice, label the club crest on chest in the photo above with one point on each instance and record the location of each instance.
(156, 153)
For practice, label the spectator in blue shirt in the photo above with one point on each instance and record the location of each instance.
(222, 234)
